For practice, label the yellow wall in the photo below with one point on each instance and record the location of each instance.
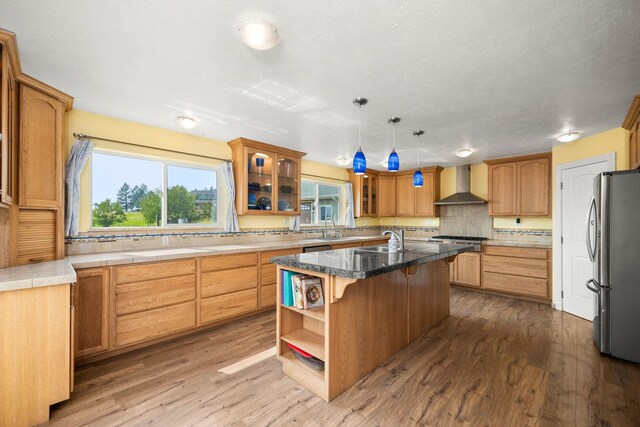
(614, 140)
(154, 137)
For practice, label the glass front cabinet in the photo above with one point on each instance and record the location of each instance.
(267, 178)
(365, 193)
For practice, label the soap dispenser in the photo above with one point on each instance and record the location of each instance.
(393, 244)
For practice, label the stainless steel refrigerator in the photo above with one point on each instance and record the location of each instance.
(613, 243)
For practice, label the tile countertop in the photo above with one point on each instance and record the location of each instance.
(137, 256)
(362, 263)
(49, 273)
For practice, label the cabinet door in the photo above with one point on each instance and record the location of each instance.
(468, 269)
(365, 208)
(288, 181)
(41, 130)
(260, 181)
(91, 302)
(387, 195)
(452, 270)
(502, 189)
(635, 144)
(425, 196)
(8, 128)
(405, 196)
(373, 195)
(533, 187)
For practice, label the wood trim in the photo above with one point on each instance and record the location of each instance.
(36, 84)
(632, 114)
(8, 39)
(241, 141)
(519, 158)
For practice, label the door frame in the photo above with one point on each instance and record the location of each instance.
(610, 159)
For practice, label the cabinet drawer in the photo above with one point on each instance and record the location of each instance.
(223, 306)
(140, 296)
(516, 266)
(264, 256)
(138, 327)
(226, 281)
(267, 295)
(517, 252)
(156, 270)
(516, 285)
(227, 262)
(268, 274)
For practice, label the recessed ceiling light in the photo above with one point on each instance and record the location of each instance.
(259, 35)
(186, 122)
(343, 161)
(465, 152)
(569, 136)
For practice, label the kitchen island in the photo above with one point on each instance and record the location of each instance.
(375, 303)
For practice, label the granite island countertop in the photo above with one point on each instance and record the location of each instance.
(362, 263)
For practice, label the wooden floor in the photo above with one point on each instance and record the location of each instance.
(496, 361)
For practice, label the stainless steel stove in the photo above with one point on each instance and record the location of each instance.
(476, 242)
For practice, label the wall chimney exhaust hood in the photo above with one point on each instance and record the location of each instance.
(463, 194)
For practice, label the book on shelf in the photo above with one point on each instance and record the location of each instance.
(312, 292)
(296, 287)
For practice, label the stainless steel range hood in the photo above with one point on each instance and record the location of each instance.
(463, 194)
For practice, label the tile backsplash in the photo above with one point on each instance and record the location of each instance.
(465, 220)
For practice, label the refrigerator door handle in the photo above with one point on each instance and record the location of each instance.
(594, 287)
(590, 249)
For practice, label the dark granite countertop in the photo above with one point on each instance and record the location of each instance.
(362, 263)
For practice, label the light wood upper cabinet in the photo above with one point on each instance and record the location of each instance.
(502, 189)
(534, 187)
(520, 186)
(267, 178)
(8, 129)
(405, 195)
(418, 202)
(91, 302)
(365, 193)
(41, 130)
(632, 123)
(387, 195)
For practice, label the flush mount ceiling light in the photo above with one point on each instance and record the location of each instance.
(393, 164)
(186, 122)
(465, 152)
(418, 179)
(259, 35)
(569, 136)
(343, 161)
(359, 160)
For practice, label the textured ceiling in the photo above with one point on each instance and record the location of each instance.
(501, 76)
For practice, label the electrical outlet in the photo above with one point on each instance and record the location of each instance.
(165, 240)
(395, 221)
(518, 222)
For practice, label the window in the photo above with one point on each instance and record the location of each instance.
(129, 191)
(319, 201)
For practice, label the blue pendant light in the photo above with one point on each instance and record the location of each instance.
(418, 179)
(393, 164)
(359, 160)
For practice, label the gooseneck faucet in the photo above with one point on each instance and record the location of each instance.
(400, 237)
(328, 218)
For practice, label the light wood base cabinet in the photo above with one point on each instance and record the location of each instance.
(91, 302)
(35, 353)
(466, 269)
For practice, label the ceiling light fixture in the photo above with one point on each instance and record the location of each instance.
(418, 179)
(393, 164)
(343, 161)
(259, 35)
(465, 152)
(359, 160)
(569, 136)
(186, 122)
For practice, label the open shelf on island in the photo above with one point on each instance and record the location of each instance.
(315, 313)
(291, 360)
(308, 341)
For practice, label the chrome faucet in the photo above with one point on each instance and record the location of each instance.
(324, 233)
(400, 237)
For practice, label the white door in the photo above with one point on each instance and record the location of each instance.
(576, 193)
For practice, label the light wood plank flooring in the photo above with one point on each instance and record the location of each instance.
(495, 361)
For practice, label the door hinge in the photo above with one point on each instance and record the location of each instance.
(561, 294)
(561, 185)
(561, 240)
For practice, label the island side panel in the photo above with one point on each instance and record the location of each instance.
(428, 296)
(365, 327)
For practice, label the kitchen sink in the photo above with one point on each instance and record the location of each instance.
(379, 249)
(408, 247)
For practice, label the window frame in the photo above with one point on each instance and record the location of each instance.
(316, 201)
(165, 163)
